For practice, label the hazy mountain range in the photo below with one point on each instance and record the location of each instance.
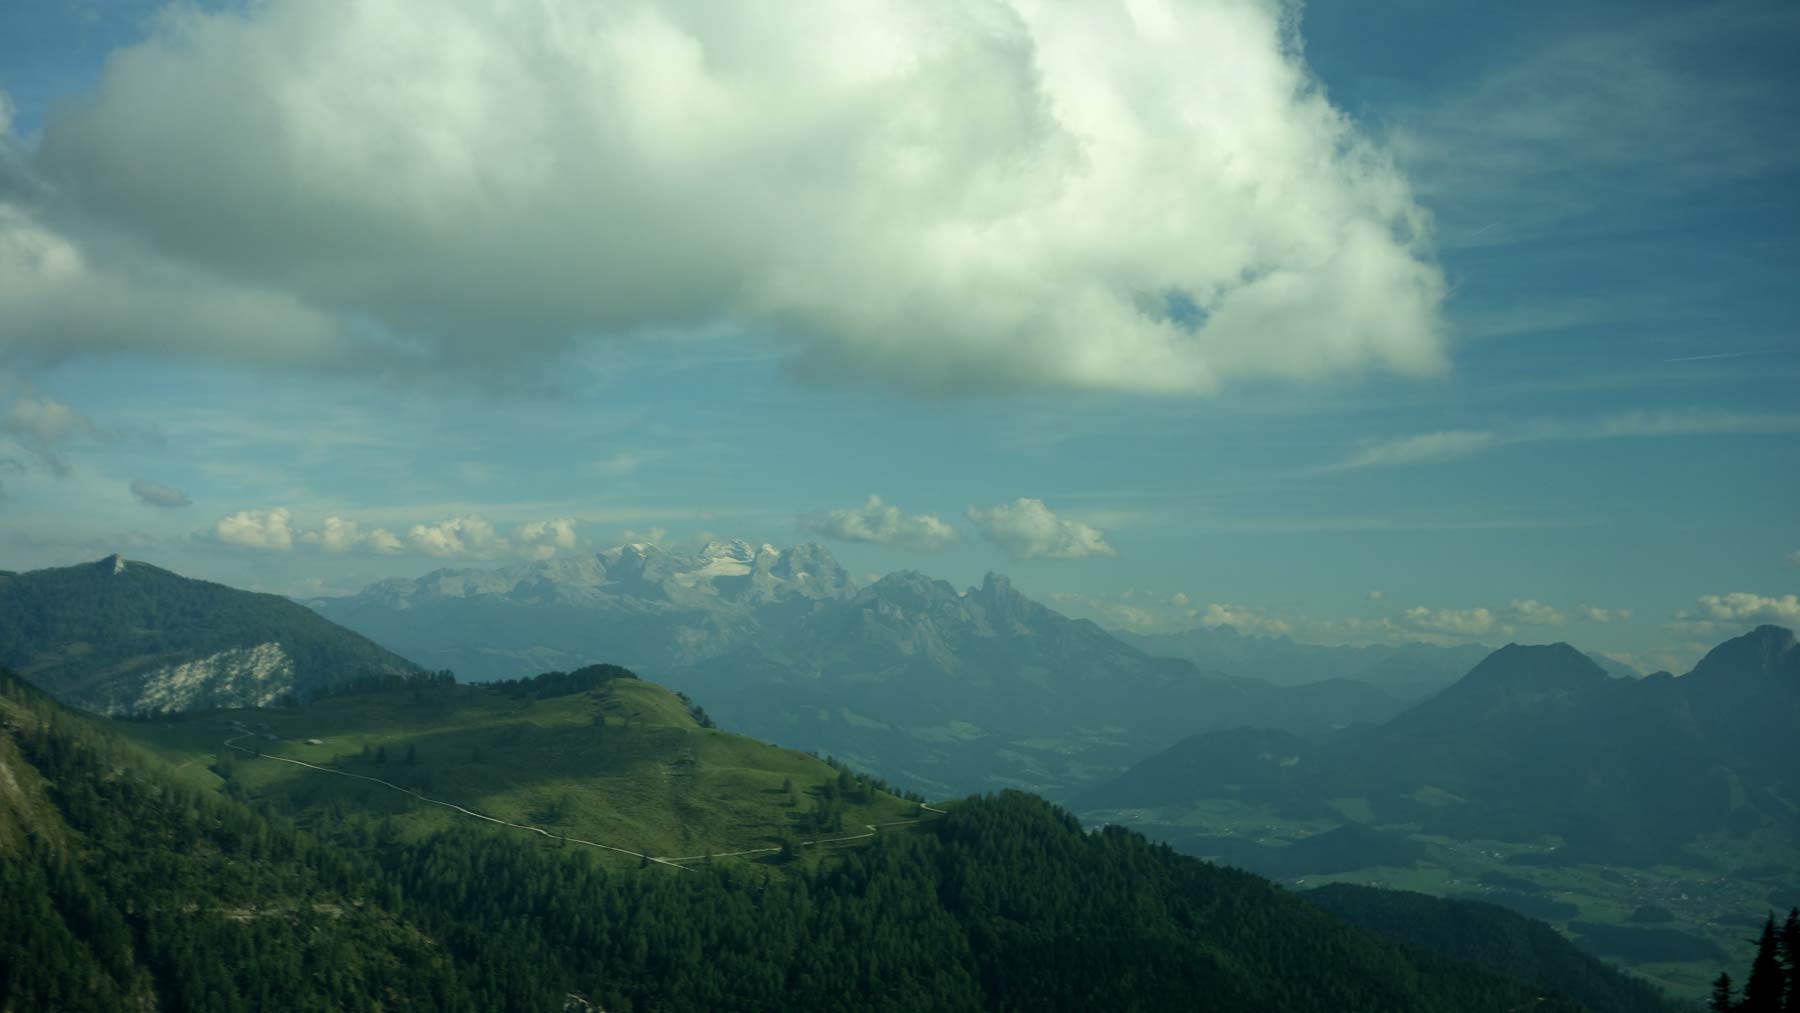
(944, 689)
(1535, 742)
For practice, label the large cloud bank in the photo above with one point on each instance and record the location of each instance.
(1141, 195)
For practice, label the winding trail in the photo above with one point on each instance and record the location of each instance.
(673, 863)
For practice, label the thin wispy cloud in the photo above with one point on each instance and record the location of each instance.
(157, 494)
(1719, 355)
(1449, 445)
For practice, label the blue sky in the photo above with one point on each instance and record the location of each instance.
(1443, 321)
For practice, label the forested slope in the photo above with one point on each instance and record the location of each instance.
(121, 887)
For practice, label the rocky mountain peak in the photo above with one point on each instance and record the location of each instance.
(1767, 652)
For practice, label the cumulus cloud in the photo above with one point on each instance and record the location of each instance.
(339, 535)
(257, 529)
(457, 536)
(157, 494)
(881, 523)
(1455, 622)
(943, 194)
(1242, 619)
(1459, 443)
(472, 536)
(1530, 610)
(1794, 557)
(1744, 607)
(543, 539)
(1026, 529)
(1595, 614)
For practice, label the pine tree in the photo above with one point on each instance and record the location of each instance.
(1762, 990)
(1790, 956)
(1721, 995)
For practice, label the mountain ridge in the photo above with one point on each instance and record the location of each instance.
(120, 636)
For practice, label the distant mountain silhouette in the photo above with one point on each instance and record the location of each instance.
(1536, 741)
(1408, 670)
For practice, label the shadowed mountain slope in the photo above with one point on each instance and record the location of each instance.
(117, 636)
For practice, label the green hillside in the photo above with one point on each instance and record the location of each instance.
(125, 884)
(597, 755)
(121, 888)
(121, 636)
(1493, 937)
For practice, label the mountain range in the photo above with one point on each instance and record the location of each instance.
(119, 637)
(1534, 742)
(947, 690)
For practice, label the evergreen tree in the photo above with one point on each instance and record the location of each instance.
(1790, 956)
(1721, 995)
(1763, 989)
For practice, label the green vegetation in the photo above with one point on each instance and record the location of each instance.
(124, 886)
(1773, 984)
(595, 754)
(1493, 937)
(91, 635)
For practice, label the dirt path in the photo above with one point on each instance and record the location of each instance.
(673, 863)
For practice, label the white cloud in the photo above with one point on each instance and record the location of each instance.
(339, 535)
(1744, 607)
(1377, 595)
(157, 494)
(1595, 614)
(1530, 610)
(880, 523)
(543, 539)
(1794, 557)
(944, 194)
(1242, 619)
(257, 529)
(471, 536)
(457, 536)
(1453, 444)
(1026, 529)
(1456, 622)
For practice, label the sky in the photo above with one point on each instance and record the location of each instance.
(1391, 321)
